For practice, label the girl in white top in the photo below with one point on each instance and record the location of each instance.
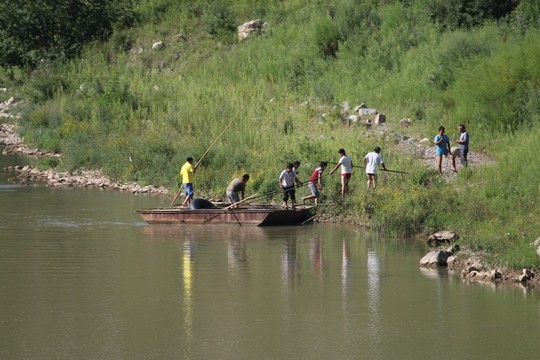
(346, 170)
(371, 161)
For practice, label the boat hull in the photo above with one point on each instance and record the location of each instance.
(259, 217)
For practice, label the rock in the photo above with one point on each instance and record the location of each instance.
(435, 258)
(367, 111)
(523, 278)
(346, 106)
(527, 273)
(495, 274)
(405, 122)
(454, 248)
(179, 36)
(352, 118)
(247, 28)
(158, 45)
(380, 118)
(424, 140)
(450, 261)
(442, 237)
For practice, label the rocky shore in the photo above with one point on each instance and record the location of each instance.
(12, 144)
(470, 265)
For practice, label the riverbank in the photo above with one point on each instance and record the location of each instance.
(12, 144)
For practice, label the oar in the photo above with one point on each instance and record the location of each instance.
(229, 207)
(206, 152)
(362, 167)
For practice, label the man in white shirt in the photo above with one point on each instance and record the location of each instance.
(286, 183)
(346, 170)
(371, 161)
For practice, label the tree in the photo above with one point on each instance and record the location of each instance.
(36, 30)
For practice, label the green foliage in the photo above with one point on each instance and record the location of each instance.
(48, 163)
(327, 37)
(455, 14)
(138, 114)
(40, 30)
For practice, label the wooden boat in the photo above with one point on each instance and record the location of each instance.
(261, 215)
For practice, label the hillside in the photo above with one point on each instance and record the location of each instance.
(136, 110)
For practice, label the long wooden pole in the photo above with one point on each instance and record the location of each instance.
(229, 208)
(206, 152)
(362, 167)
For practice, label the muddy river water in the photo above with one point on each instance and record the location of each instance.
(83, 277)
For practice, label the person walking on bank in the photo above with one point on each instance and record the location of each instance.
(463, 142)
(236, 186)
(187, 172)
(346, 164)
(286, 183)
(315, 183)
(443, 147)
(371, 161)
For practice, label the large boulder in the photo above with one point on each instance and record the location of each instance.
(435, 258)
(247, 28)
(442, 238)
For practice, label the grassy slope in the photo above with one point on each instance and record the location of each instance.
(113, 104)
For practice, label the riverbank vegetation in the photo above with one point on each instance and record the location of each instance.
(136, 112)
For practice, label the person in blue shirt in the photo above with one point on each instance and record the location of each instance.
(443, 147)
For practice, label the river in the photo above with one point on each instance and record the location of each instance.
(83, 277)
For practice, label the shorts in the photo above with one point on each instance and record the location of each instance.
(441, 152)
(289, 192)
(314, 189)
(189, 190)
(346, 176)
(232, 197)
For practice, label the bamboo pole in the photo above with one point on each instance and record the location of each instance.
(229, 208)
(362, 167)
(206, 152)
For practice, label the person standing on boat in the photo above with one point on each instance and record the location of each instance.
(315, 183)
(346, 164)
(371, 161)
(187, 172)
(442, 141)
(236, 186)
(286, 183)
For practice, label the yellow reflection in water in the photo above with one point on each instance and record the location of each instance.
(187, 277)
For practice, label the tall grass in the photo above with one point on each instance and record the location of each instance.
(138, 112)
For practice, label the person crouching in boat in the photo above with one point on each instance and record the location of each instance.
(236, 186)
(286, 183)
(315, 183)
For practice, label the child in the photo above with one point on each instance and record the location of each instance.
(315, 183)
(286, 183)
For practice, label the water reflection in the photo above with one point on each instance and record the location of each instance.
(374, 284)
(288, 262)
(316, 256)
(187, 281)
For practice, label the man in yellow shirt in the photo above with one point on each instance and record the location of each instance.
(187, 172)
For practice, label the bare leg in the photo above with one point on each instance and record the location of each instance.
(344, 186)
(439, 163)
(374, 181)
(309, 197)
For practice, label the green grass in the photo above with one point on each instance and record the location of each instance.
(139, 114)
